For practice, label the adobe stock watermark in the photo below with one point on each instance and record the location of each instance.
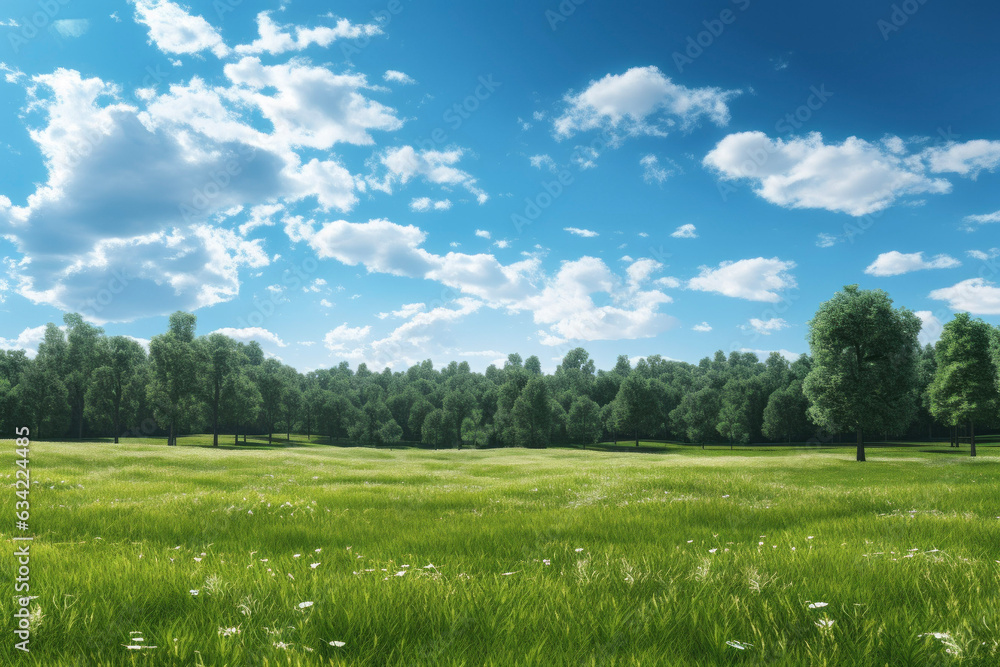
(561, 13)
(696, 45)
(292, 278)
(551, 189)
(383, 18)
(899, 16)
(32, 24)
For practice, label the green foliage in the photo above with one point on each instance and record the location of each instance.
(864, 373)
(964, 387)
(584, 421)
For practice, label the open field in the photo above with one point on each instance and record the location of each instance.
(673, 556)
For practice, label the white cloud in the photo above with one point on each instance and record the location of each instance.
(765, 327)
(252, 333)
(826, 240)
(585, 233)
(502, 243)
(685, 232)
(757, 279)
(654, 172)
(703, 327)
(641, 101)
(405, 312)
(70, 28)
(174, 30)
(965, 159)
(260, 216)
(275, 39)
(854, 177)
(483, 234)
(984, 256)
(668, 282)
(424, 204)
(395, 76)
(336, 340)
(437, 167)
(562, 302)
(764, 354)
(567, 307)
(326, 303)
(543, 162)
(976, 295)
(131, 190)
(930, 327)
(895, 263)
(27, 340)
(972, 221)
(310, 106)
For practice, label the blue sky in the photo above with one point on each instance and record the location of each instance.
(386, 182)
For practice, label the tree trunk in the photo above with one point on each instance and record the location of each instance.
(117, 428)
(269, 435)
(236, 435)
(861, 445)
(972, 437)
(215, 431)
(170, 436)
(637, 437)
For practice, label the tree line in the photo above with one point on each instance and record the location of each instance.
(865, 373)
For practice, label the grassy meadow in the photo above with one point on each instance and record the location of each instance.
(306, 554)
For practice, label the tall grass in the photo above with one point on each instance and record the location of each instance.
(551, 557)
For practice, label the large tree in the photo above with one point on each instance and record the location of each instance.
(116, 386)
(964, 388)
(220, 352)
(176, 363)
(82, 358)
(865, 356)
(786, 412)
(532, 414)
(633, 406)
(584, 421)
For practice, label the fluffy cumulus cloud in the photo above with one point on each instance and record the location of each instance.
(856, 177)
(395, 76)
(687, 231)
(173, 30)
(309, 106)
(403, 164)
(151, 199)
(765, 327)
(585, 233)
(258, 334)
(27, 340)
(641, 101)
(975, 295)
(930, 327)
(275, 38)
(424, 204)
(896, 263)
(338, 339)
(704, 327)
(583, 300)
(757, 279)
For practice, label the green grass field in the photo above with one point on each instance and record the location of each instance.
(672, 556)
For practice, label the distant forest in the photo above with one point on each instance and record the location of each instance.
(865, 372)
